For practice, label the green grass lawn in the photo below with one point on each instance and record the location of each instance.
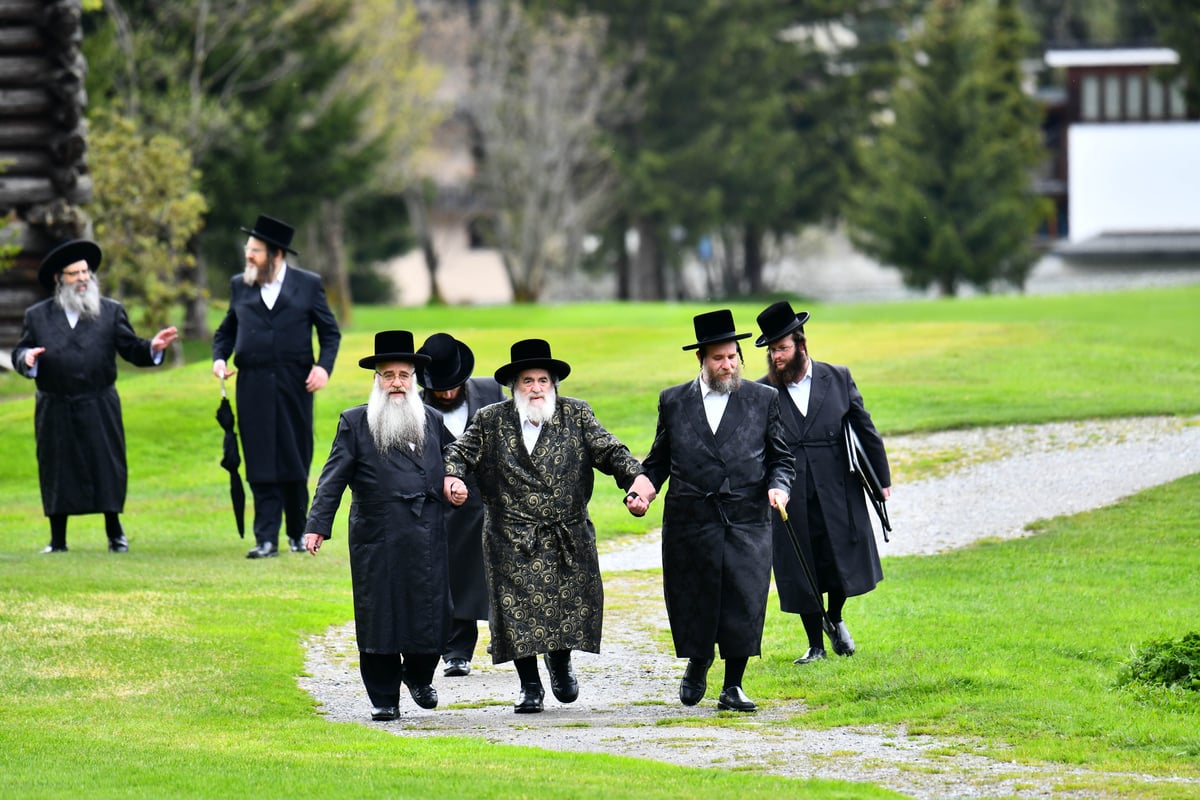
(171, 671)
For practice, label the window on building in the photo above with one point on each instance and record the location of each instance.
(1133, 96)
(1089, 98)
(1178, 104)
(1112, 96)
(1155, 99)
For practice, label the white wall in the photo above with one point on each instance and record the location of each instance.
(1133, 177)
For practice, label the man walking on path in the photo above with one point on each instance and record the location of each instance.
(720, 441)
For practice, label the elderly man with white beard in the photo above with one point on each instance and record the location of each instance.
(389, 453)
(69, 346)
(533, 457)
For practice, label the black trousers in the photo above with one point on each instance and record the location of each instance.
(384, 673)
(464, 634)
(273, 502)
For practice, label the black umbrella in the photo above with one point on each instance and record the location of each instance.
(231, 460)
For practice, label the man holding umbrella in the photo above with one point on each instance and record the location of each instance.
(274, 307)
(449, 388)
(69, 346)
(720, 441)
(389, 453)
(829, 509)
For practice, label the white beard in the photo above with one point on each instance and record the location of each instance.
(250, 275)
(396, 420)
(727, 385)
(535, 414)
(86, 303)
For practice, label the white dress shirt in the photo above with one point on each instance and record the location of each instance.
(456, 420)
(714, 403)
(801, 390)
(270, 291)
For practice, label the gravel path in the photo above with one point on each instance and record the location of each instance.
(1017, 475)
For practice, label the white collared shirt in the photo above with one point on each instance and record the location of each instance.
(714, 403)
(456, 420)
(801, 390)
(530, 433)
(270, 291)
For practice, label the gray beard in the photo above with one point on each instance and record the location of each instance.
(250, 276)
(535, 415)
(396, 424)
(723, 385)
(86, 303)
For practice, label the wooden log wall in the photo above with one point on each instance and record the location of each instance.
(44, 180)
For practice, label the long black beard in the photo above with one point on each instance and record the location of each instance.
(396, 425)
(86, 303)
(792, 371)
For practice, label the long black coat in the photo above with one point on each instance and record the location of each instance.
(77, 418)
(464, 524)
(716, 530)
(539, 543)
(816, 440)
(397, 540)
(274, 354)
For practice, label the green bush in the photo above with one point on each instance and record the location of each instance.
(1173, 663)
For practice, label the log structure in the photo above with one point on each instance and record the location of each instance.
(44, 179)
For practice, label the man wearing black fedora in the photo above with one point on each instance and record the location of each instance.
(720, 442)
(828, 511)
(389, 454)
(533, 458)
(449, 388)
(69, 347)
(274, 307)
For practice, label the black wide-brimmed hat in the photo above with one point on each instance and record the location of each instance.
(273, 231)
(394, 346)
(66, 254)
(451, 362)
(714, 327)
(778, 320)
(531, 354)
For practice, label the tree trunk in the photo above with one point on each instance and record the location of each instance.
(195, 324)
(337, 274)
(418, 220)
(648, 280)
(753, 258)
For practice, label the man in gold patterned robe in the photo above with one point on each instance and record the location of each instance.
(533, 457)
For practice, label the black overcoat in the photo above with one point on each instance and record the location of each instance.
(274, 354)
(464, 524)
(539, 544)
(77, 416)
(816, 440)
(716, 526)
(398, 560)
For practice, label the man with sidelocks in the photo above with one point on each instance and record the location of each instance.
(533, 457)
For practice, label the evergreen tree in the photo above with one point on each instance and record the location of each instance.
(948, 197)
(1178, 26)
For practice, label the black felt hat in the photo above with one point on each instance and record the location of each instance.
(531, 354)
(273, 231)
(451, 362)
(394, 346)
(778, 320)
(66, 254)
(713, 327)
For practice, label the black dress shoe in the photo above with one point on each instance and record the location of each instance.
(296, 545)
(810, 655)
(839, 637)
(52, 549)
(530, 699)
(118, 544)
(695, 681)
(457, 668)
(385, 713)
(264, 550)
(734, 699)
(424, 696)
(562, 677)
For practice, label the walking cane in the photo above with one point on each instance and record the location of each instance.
(826, 622)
